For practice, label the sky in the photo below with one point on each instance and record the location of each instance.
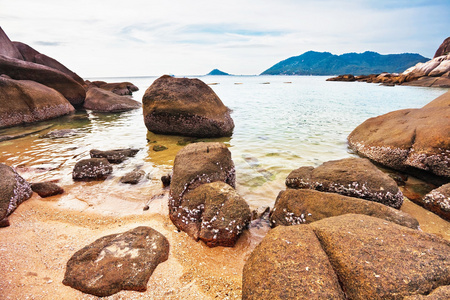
(98, 38)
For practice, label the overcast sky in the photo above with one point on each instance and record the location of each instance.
(191, 37)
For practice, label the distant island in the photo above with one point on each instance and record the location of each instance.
(217, 72)
(325, 63)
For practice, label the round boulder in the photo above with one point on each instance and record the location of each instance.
(187, 107)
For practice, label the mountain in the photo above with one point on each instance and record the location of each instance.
(325, 63)
(217, 72)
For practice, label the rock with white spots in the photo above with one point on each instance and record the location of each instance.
(92, 169)
(117, 262)
(438, 201)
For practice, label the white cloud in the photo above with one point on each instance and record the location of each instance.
(117, 38)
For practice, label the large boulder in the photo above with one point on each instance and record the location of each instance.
(92, 169)
(444, 48)
(214, 213)
(23, 101)
(438, 201)
(119, 88)
(353, 177)
(117, 262)
(13, 191)
(187, 107)
(100, 100)
(55, 79)
(115, 156)
(31, 55)
(408, 139)
(372, 258)
(7, 48)
(294, 207)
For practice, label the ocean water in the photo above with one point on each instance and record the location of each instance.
(281, 123)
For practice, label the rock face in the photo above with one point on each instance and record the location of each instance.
(409, 139)
(46, 189)
(119, 88)
(441, 293)
(100, 100)
(438, 201)
(13, 191)
(294, 207)
(372, 259)
(117, 262)
(213, 213)
(23, 70)
(23, 101)
(187, 107)
(114, 156)
(353, 177)
(92, 169)
(290, 264)
(443, 49)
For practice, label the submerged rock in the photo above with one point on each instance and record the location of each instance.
(187, 107)
(60, 133)
(99, 100)
(438, 201)
(353, 177)
(23, 101)
(92, 169)
(46, 189)
(114, 156)
(410, 140)
(294, 207)
(13, 191)
(117, 262)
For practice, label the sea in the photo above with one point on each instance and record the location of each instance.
(281, 123)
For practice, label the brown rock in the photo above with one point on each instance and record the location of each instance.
(444, 48)
(438, 201)
(92, 169)
(305, 206)
(441, 293)
(114, 156)
(187, 107)
(117, 262)
(408, 139)
(46, 189)
(119, 88)
(289, 264)
(23, 101)
(133, 177)
(7, 48)
(100, 100)
(354, 177)
(13, 191)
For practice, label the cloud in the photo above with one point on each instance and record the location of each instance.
(44, 43)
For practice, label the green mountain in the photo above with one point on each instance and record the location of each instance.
(325, 63)
(217, 72)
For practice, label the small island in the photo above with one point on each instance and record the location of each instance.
(217, 72)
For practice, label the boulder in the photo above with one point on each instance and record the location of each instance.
(408, 139)
(133, 177)
(117, 262)
(119, 88)
(46, 189)
(7, 48)
(371, 258)
(114, 156)
(186, 107)
(31, 55)
(444, 48)
(294, 207)
(441, 69)
(213, 213)
(353, 177)
(92, 169)
(13, 191)
(23, 70)
(438, 201)
(23, 101)
(99, 100)
(441, 293)
(290, 263)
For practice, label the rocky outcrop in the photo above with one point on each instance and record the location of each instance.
(117, 262)
(46, 189)
(213, 213)
(23, 101)
(353, 177)
(7, 48)
(13, 191)
(438, 201)
(294, 207)
(443, 49)
(119, 88)
(92, 169)
(187, 107)
(371, 259)
(115, 156)
(408, 139)
(23, 70)
(99, 100)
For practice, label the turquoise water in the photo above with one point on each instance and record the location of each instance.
(281, 123)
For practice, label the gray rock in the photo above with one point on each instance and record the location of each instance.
(133, 177)
(114, 156)
(92, 169)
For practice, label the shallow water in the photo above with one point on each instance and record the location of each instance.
(281, 123)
